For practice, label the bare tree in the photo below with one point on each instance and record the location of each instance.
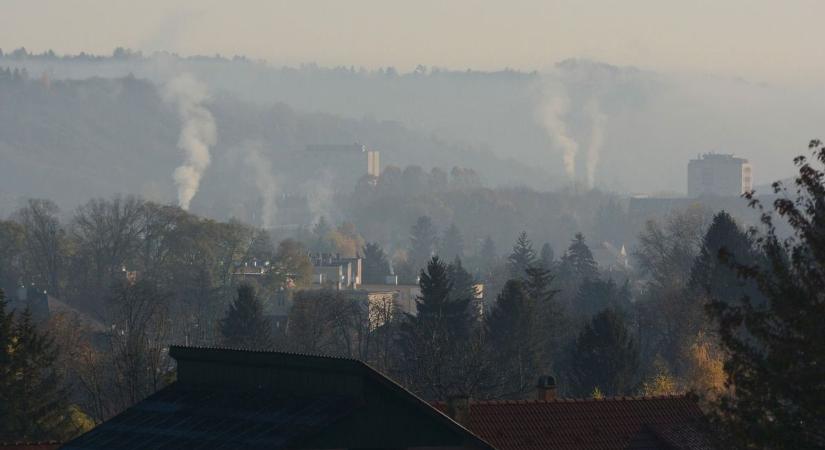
(44, 243)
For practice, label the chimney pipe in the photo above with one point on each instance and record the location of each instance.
(546, 388)
(458, 408)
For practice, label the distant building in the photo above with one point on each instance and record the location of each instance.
(330, 270)
(719, 175)
(238, 399)
(349, 159)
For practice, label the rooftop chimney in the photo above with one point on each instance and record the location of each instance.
(458, 408)
(546, 388)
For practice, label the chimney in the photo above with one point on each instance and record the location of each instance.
(546, 388)
(458, 408)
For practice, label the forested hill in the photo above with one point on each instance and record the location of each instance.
(71, 140)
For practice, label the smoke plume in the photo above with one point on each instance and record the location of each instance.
(554, 109)
(594, 147)
(265, 182)
(197, 134)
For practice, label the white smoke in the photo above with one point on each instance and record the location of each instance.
(594, 146)
(265, 182)
(197, 134)
(321, 195)
(553, 111)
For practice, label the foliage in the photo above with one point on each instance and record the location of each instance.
(452, 244)
(604, 355)
(376, 267)
(423, 242)
(578, 263)
(522, 257)
(776, 345)
(245, 325)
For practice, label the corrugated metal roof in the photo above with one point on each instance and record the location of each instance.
(183, 417)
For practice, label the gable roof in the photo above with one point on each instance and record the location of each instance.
(667, 422)
(254, 399)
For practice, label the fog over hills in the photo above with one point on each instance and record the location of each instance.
(102, 125)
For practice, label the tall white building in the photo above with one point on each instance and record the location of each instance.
(718, 175)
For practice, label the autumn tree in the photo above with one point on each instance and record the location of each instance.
(776, 345)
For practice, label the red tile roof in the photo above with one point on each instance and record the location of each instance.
(672, 422)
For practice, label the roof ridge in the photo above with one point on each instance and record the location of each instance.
(573, 400)
(257, 351)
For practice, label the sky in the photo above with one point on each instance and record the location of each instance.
(760, 40)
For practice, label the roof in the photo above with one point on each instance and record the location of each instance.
(667, 422)
(226, 398)
(45, 445)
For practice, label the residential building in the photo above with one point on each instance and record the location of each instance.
(719, 175)
(253, 399)
(330, 270)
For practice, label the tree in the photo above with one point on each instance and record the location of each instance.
(423, 239)
(595, 295)
(776, 345)
(12, 236)
(452, 244)
(578, 263)
(245, 325)
(441, 351)
(522, 257)
(44, 243)
(709, 273)
(292, 264)
(376, 266)
(604, 356)
(547, 257)
(33, 399)
(513, 333)
(462, 282)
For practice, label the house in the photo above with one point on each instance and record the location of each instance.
(253, 399)
(649, 423)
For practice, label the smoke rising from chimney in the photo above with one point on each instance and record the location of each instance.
(198, 133)
(594, 146)
(265, 182)
(552, 115)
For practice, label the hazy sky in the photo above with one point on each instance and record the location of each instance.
(762, 40)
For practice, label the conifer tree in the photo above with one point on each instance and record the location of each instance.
(547, 256)
(245, 325)
(604, 356)
(776, 344)
(376, 266)
(522, 257)
(452, 244)
(423, 240)
(578, 263)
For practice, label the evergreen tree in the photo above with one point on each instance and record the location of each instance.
(708, 272)
(578, 263)
(776, 345)
(604, 356)
(423, 239)
(488, 251)
(522, 258)
(547, 257)
(513, 332)
(452, 244)
(376, 266)
(245, 325)
(595, 295)
(463, 283)
(33, 399)
(320, 232)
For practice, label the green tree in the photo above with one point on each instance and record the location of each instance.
(595, 295)
(604, 356)
(578, 263)
(376, 267)
(452, 244)
(462, 282)
(513, 334)
(423, 240)
(522, 257)
(33, 398)
(245, 325)
(776, 345)
(291, 265)
(547, 256)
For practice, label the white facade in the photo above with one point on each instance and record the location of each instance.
(719, 175)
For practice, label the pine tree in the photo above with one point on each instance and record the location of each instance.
(513, 333)
(595, 295)
(578, 263)
(463, 283)
(776, 344)
(708, 272)
(376, 266)
(547, 257)
(423, 240)
(33, 400)
(604, 356)
(452, 244)
(245, 325)
(522, 258)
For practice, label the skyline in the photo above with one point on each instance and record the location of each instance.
(755, 40)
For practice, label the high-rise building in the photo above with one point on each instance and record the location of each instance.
(719, 175)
